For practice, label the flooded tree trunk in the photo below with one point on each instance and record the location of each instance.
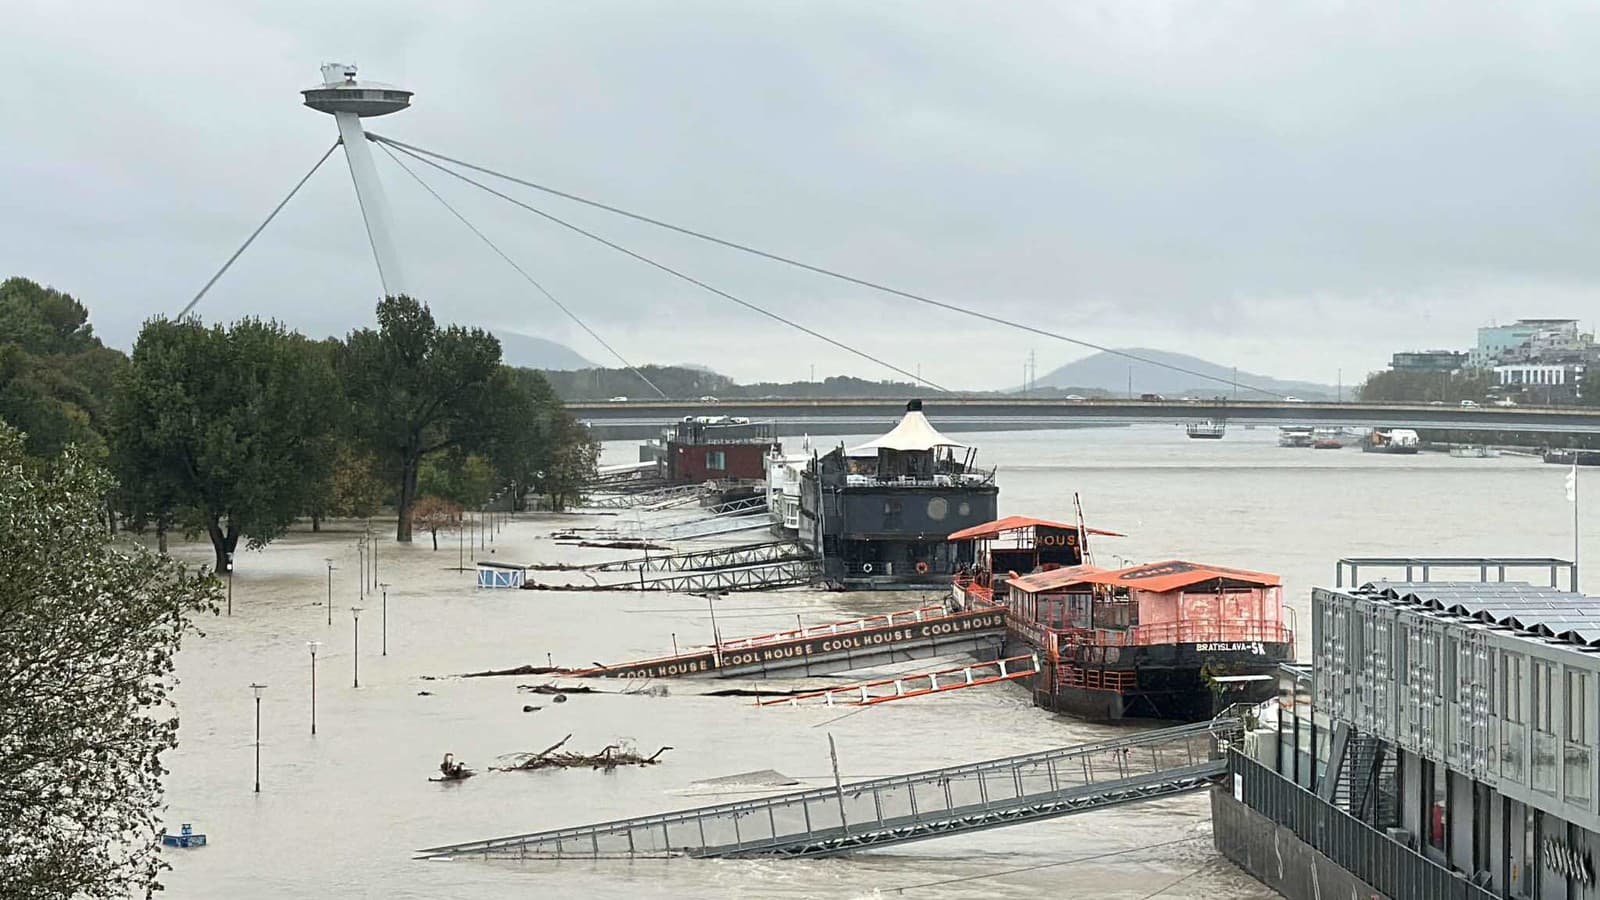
(316, 522)
(408, 496)
(222, 542)
(161, 538)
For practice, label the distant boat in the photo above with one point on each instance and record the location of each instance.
(1573, 457)
(1210, 430)
(1327, 439)
(1474, 452)
(1391, 440)
(1294, 436)
(185, 837)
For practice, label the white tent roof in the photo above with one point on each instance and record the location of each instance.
(914, 432)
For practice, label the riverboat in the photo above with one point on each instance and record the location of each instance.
(1572, 457)
(1210, 429)
(1294, 436)
(1327, 439)
(1167, 640)
(876, 515)
(1391, 440)
(727, 454)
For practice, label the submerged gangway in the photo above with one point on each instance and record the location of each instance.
(640, 498)
(883, 811)
(919, 684)
(699, 560)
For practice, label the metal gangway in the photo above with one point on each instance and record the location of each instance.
(759, 576)
(883, 811)
(919, 684)
(699, 560)
(628, 500)
(710, 527)
(744, 506)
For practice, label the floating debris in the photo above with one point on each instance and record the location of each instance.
(611, 756)
(531, 708)
(555, 689)
(761, 778)
(519, 670)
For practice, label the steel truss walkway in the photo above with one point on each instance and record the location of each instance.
(921, 684)
(790, 572)
(640, 498)
(708, 526)
(884, 811)
(698, 560)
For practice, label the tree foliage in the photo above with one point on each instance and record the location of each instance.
(416, 389)
(55, 375)
(223, 431)
(87, 638)
(1426, 387)
(435, 514)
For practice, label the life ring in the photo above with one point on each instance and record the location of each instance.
(867, 568)
(922, 568)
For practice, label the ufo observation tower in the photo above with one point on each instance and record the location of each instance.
(349, 101)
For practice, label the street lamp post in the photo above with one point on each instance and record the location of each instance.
(258, 688)
(331, 567)
(355, 658)
(361, 567)
(229, 563)
(384, 586)
(312, 646)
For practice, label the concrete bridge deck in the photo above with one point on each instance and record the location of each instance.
(989, 413)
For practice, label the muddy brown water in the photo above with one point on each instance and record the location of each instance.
(340, 813)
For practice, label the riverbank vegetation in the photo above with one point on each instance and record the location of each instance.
(237, 431)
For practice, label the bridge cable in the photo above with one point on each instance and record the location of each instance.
(665, 268)
(822, 270)
(259, 228)
(520, 271)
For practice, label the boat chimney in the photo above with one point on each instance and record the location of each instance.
(914, 406)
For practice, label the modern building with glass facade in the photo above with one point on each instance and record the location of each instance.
(1442, 743)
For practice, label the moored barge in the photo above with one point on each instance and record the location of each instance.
(876, 515)
(1167, 640)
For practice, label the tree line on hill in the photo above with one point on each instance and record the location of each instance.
(1476, 385)
(236, 431)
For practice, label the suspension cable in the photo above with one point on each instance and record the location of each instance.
(820, 270)
(664, 267)
(520, 271)
(259, 228)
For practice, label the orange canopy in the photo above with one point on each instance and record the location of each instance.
(1175, 574)
(991, 530)
(1056, 579)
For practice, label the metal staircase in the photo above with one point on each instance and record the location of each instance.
(884, 811)
(1365, 784)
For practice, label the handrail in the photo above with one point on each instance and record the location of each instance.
(745, 807)
(881, 620)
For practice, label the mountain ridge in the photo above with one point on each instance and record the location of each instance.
(1110, 372)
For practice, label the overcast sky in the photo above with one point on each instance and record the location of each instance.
(1289, 188)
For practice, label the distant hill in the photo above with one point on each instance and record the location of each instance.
(528, 352)
(1109, 372)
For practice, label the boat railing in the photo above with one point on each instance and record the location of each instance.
(974, 592)
(1117, 680)
(1188, 632)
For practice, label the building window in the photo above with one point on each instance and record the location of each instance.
(1544, 731)
(891, 515)
(716, 461)
(1580, 737)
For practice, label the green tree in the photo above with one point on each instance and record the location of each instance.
(88, 632)
(573, 458)
(464, 478)
(354, 486)
(1426, 387)
(55, 375)
(416, 389)
(223, 431)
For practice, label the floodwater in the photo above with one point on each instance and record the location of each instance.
(339, 813)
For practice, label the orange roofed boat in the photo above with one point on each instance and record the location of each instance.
(1167, 640)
